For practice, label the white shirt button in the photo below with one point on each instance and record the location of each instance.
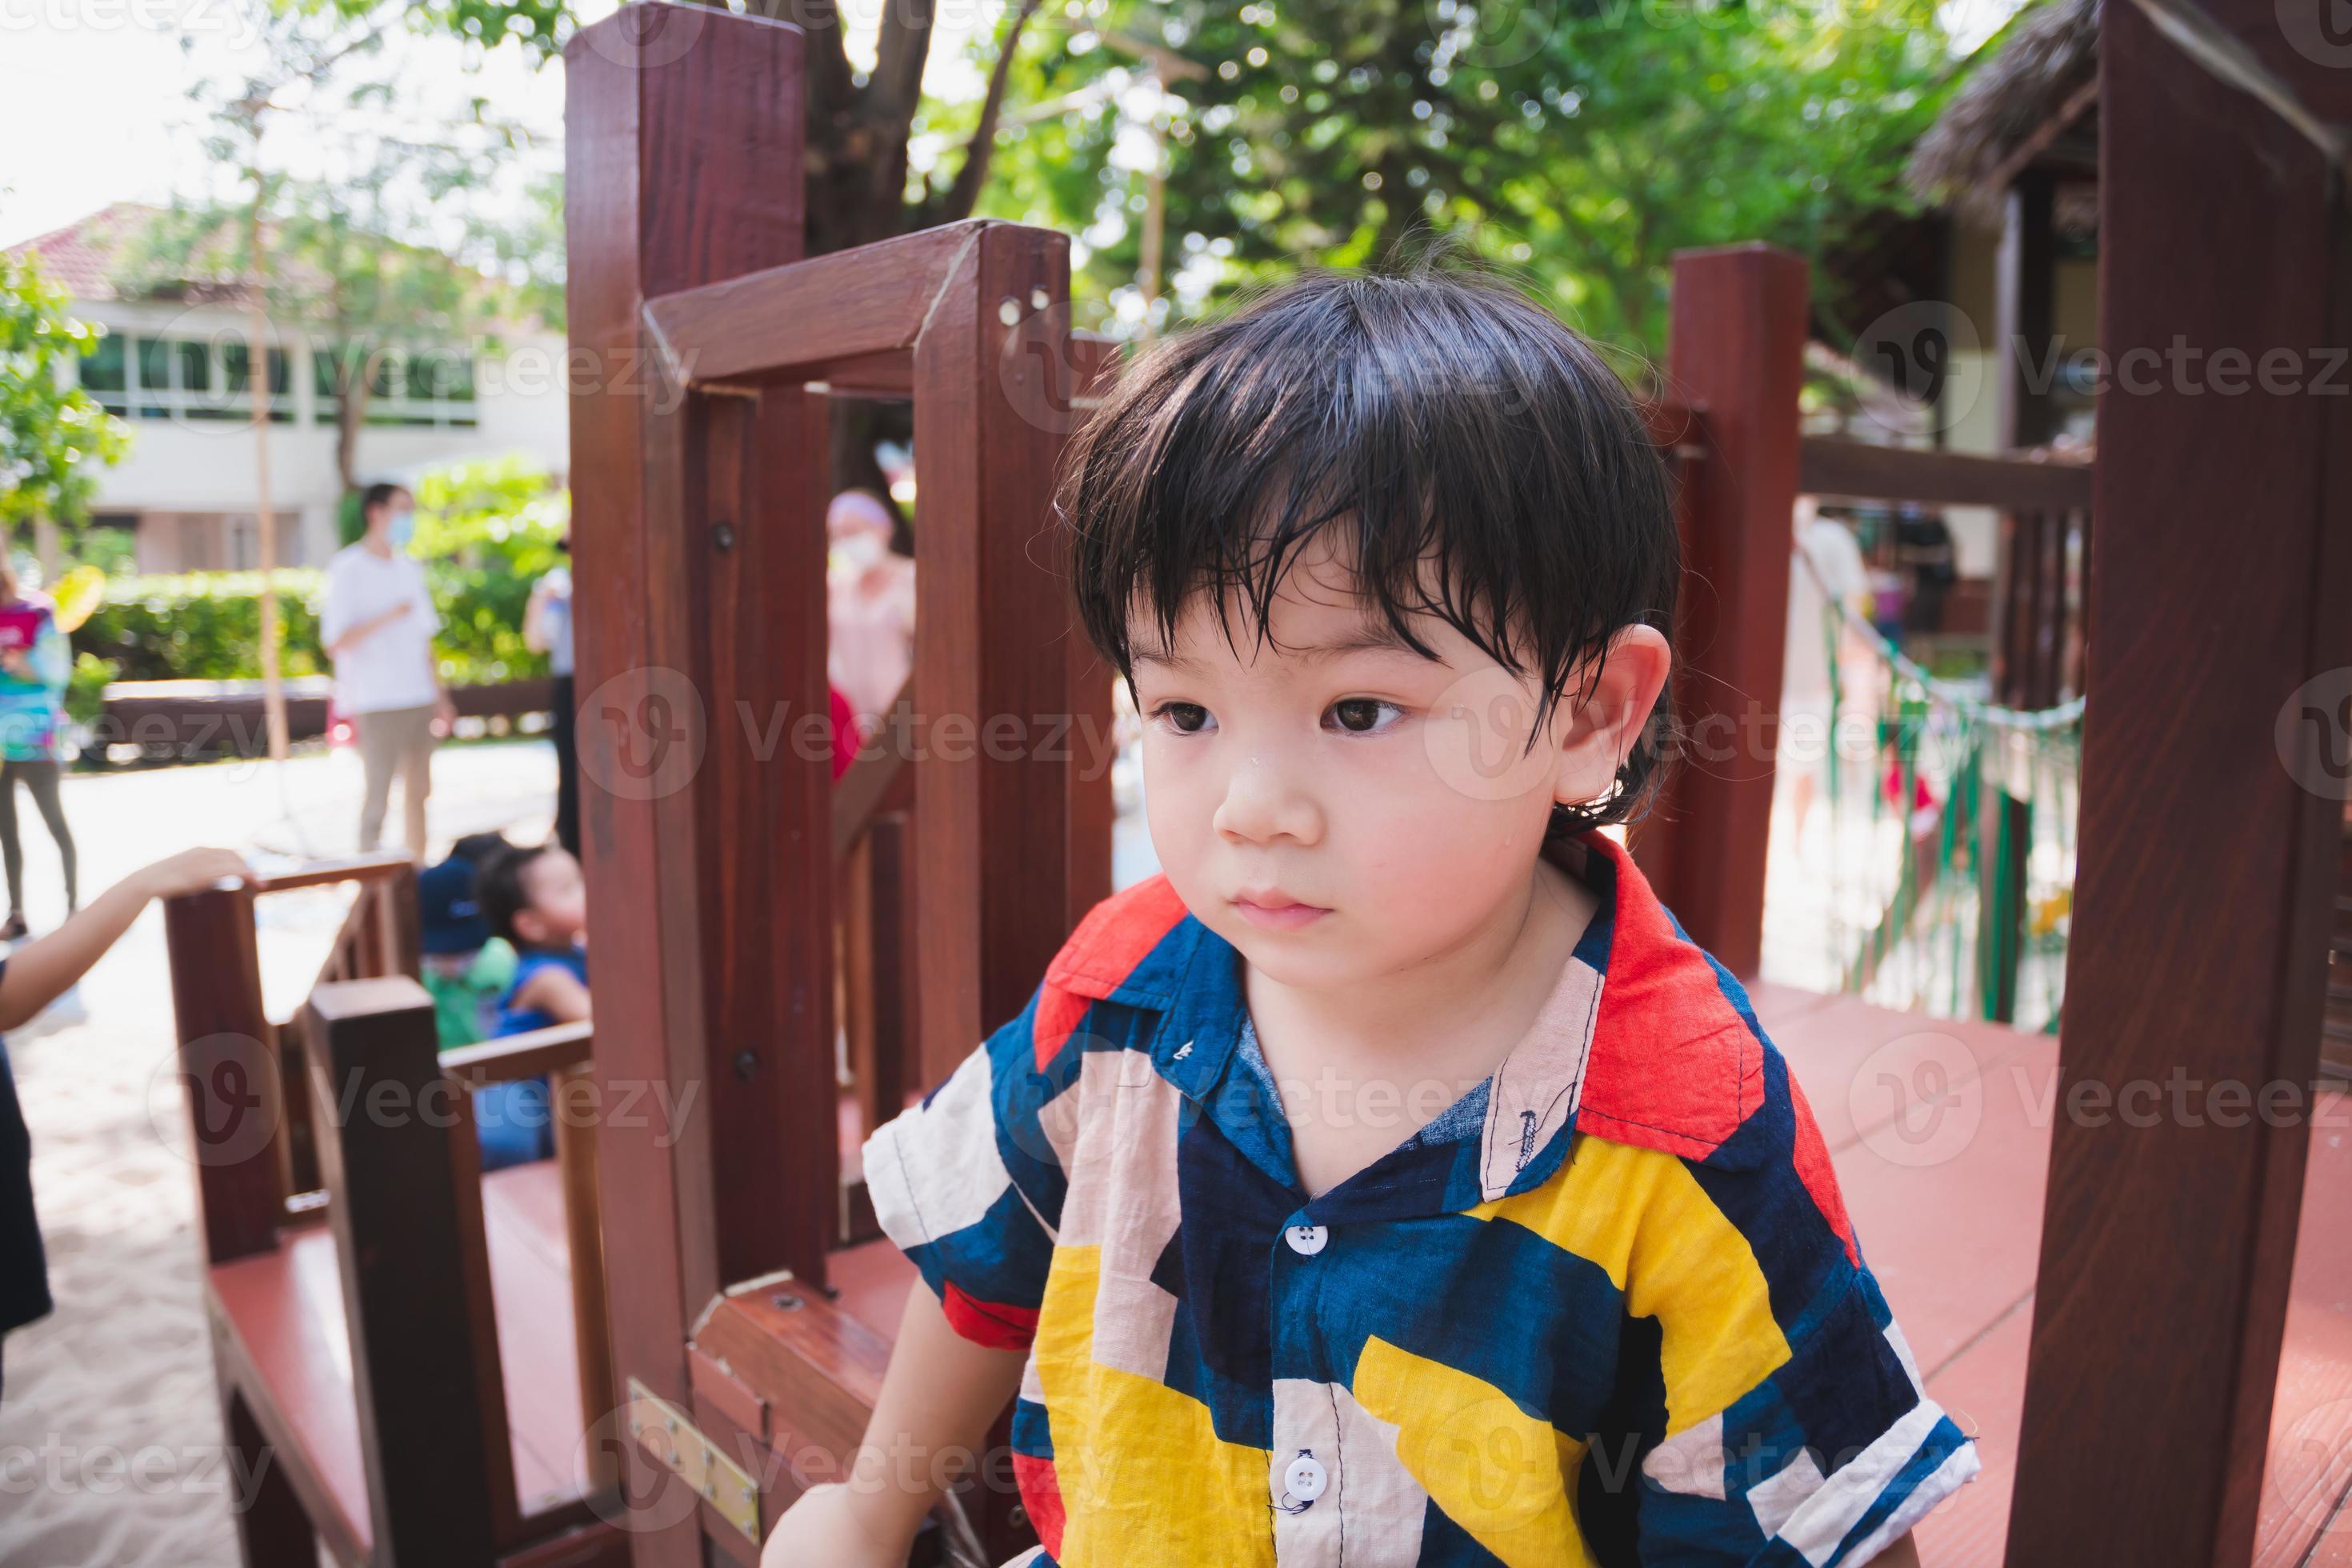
(1305, 1477)
(1305, 1240)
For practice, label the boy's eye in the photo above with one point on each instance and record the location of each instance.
(1184, 718)
(1361, 715)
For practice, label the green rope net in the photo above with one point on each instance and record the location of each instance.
(1934, 873)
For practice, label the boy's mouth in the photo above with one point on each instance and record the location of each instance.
(1277, 911)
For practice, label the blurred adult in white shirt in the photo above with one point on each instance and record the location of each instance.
(378, 624)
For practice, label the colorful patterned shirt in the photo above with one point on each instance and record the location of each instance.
(32, 702)
(1606, 1309)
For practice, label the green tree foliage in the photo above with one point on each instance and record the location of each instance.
(400, 268)
(53, 438)
(1581, 143)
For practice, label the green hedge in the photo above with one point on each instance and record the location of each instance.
(203, 625)
(487, 531)
(206, 625)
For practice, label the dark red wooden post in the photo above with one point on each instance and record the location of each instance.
(375, 1072)
(229, 1069)
(1736, 356)
(684, 134)
(991, 667)
(2211, 796)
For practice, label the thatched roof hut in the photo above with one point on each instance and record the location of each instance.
(2031, 104)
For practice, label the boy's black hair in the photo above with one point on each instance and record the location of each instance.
(478, 849)
(1426, 407)
(498, 889)
(379, 495)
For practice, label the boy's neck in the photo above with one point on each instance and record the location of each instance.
(1456, 1008)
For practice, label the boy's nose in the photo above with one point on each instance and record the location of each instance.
(1265, 800)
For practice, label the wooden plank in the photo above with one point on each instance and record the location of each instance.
(1737, 352)
(511, 1057)
(2200, 936)
(228, 1068)
(992, 670)
(681, 169)
(1839, 469)
(799, 320)
(468, 1246)
(394, 1202)
(279, 1339)
(272, 1529)
(385, 865)
(574, 1100)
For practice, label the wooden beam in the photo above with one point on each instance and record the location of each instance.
(228, 1069)
(992, 664)
(555, 1048)
(393, 1200)
(850, 305)
(682, 168)
(2210, 829)
(1737, 352)
(1838, 469)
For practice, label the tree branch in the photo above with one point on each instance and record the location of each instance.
(958, 203)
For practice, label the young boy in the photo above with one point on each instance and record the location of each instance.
(468, 971)
(534, 898)
(1389, 1181)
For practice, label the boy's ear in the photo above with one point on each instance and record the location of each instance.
(1596, 737)
(530, 927)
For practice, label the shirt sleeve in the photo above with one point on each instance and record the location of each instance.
(334, 609)
(1797, 1426)
(968, 1182)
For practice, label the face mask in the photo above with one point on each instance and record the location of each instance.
(403, 528)
(859, 551)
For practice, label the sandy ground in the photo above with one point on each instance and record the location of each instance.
(109, 1432)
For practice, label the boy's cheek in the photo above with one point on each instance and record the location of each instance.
(1474, 741)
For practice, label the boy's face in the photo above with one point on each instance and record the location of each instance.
(1341, 813)
(557, 909)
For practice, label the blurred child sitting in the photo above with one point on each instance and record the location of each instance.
(466, 969)
(533, 897)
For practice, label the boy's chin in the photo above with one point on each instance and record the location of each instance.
(1306, 960)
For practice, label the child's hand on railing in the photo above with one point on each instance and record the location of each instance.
(191, 872)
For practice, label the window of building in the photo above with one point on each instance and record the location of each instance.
(433, 388)
(105, 375)
(145, 376)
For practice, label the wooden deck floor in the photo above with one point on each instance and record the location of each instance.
(1940, 1133)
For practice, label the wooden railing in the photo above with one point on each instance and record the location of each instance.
(349, 1115)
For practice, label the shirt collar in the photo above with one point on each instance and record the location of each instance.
(1645, 1039)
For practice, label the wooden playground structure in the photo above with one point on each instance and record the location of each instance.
(648, 1347)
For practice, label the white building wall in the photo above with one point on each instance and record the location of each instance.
(187, 464)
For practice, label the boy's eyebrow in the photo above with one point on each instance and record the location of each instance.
(1368, 637)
